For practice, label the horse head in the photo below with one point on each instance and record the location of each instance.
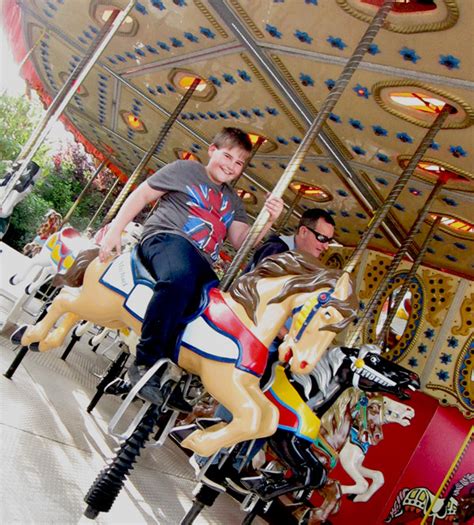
(374, 373)
(396, 412)
(327, 311)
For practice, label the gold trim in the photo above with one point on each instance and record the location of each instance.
(460, 235)
(450, 20)
(210, 18)
(246, 18)
(420, 174)
(465, 123)
(457, 371)
(464, 328)
(467, 413)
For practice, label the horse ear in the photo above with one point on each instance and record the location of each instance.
(343, 287)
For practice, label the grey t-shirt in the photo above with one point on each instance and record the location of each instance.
(193, 206)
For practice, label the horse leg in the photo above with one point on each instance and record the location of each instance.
(58, 335)
(351, 458)
(269, 412)
(230, 388)
(377, 481)
(37, 333)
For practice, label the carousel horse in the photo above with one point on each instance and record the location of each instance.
(339, 369)
(21, 189)
(354, 451)
(355, 417)
(301, 400)
(226, 344)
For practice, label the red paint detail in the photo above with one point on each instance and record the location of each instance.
(287, 417)
(304, 364)
(254, 353)
(288, 355)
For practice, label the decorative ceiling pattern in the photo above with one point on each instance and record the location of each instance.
(420, 60)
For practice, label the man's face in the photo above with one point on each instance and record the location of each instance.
(226, 163)
(306, 241)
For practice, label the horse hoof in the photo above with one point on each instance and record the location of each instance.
(18, 334)
(34, 347)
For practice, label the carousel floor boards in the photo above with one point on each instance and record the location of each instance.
(52, 450)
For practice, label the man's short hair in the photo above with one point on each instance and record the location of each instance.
(310, 217)
(232, 138)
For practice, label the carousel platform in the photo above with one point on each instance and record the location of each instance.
(52, 449)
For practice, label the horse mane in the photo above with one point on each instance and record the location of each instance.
(333, 418)
(74, 276)
(308, 275)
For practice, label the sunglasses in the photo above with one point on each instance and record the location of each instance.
(319, 236)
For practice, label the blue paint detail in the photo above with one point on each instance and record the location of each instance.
(336, 42)
(245, 113)
(160, 90)
(282, 165)
(311, 2)
(159, 4)
(382, 157)
(222, 114)
(304, 169)
(141, 8)
(234, 113)
(273, 31)
(345, 213)
(163, 45)
(449, 201)
(257, 112)
(192, 38)
(140, 52)
(272, 111)
(453, 342)
(380, 131)
(282, 140)
(131, 56)
(306, 80)
(176, 42)
(358, 150)
(434, 145)
(382, 181)
(229, 78)
(356, 124)
(443, 375)
(215, 81)
(252, 187)
(413, 362)
(335, 118)
(446, 358)
(330, 83)
(404, 137)
(342, 193)
(244, 75)
(345, 230)
(399, 207)
(378, 236)
(180, 3)
(170, 88)
(373, 49)
(449, 61)
(151, 49)
(361, 215)
(295, 139)
(416, 192)
(460, 246)
(303, 36)
(451, 258)
(422, 349)
(213, 115)
(361, 91)
(409, 55)
(266, 165)
(457, 151)
(207, 32)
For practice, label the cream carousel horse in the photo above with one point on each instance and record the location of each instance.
(227, 344)
(352, 455)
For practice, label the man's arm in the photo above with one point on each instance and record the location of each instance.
(132, 206)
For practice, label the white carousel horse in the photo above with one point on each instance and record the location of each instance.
(352, 455)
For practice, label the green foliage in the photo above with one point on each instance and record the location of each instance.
(62, 179)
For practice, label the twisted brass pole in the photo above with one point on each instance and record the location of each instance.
(406, 285)
(154, 148)
(309, 138)
(67, 91)
(397, 188)
(371, 308)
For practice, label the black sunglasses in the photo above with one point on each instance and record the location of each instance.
(319, 236)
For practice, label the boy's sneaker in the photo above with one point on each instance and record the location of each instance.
(154, 392)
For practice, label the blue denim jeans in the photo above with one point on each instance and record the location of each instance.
(181, 273)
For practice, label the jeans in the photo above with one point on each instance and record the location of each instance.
(181, 273)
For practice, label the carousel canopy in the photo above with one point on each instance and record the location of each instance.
(266, 66)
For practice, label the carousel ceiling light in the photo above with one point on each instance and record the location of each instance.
(418, 102)
(246, 196)
(308, 191)
(186, 155)
(133, 122)
(182, 80)
(455, 224)
(101, 12)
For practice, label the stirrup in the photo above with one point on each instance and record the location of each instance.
(117, 417)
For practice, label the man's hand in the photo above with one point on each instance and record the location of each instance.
(111, 241)
(274, 206)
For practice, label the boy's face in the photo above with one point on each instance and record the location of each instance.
(226, 163)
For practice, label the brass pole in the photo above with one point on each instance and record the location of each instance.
(67, 91)
(309, 138)
(371, 308)
(289, 212)
(154, 148)
(83, 192)
(397, 188)
(406, 285)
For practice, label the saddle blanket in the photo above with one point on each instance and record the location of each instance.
(121, 277)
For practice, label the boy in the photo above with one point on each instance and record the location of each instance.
(197, 210)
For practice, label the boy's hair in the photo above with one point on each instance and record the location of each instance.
(310, 217)
(233, 138)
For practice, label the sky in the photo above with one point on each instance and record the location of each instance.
(12, 83)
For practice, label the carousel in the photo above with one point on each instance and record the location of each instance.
(362, 108)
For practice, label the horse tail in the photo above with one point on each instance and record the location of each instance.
(74, 276)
